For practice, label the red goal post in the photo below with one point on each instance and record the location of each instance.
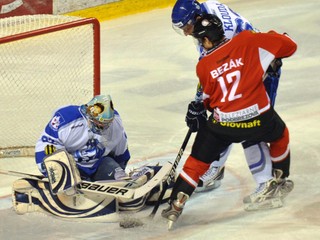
(47, 61)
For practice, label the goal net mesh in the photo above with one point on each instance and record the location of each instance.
(47, 61)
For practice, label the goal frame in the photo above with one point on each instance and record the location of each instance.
(28, 151)
(63, 26)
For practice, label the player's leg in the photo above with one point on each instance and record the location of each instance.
(260, 165)
(280, 156)
(259, 160)
(271, 193)
(205, 148)
(211, 179)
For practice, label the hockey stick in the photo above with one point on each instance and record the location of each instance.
(105, 188)
(23, 175)
(132, 222)
(23, 151)
(172, 173)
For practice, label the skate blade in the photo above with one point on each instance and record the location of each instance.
(170, 225)
(285, 190)
(209, 187)
(267, 204)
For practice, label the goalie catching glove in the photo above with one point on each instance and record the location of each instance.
(196, 115)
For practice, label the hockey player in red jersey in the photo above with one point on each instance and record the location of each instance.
(257, 155)
(231, 77)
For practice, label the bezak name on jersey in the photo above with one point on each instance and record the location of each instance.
(233, 63)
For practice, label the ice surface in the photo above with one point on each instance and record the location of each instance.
(150, 72)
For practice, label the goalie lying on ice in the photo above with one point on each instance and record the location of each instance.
(64, 195)
(83, 153)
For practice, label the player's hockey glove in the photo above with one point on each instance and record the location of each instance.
(196, 115)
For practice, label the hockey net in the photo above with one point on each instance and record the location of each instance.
(47, 61)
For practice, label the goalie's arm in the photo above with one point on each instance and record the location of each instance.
(161, 176)
(129, 193)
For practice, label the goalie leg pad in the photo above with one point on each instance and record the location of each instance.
(35, 196)
(25, 197)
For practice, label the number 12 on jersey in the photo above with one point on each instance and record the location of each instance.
(231, 78)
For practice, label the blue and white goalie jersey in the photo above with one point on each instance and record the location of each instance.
(68, 129)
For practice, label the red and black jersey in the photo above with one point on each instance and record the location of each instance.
(231, 75)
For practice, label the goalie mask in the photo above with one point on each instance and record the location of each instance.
(99, 112)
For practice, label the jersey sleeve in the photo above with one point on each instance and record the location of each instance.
(120, 152)
(48, 137)
(273, 45)
(203, 77)
(53, 135)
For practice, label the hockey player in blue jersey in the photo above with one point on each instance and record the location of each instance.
(184, 15)
(93, 134)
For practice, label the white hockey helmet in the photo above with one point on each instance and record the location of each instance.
(99, 111)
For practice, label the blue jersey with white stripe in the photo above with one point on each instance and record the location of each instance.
(233, 23)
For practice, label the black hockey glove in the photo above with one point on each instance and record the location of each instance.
(274, 67)
(196, 115)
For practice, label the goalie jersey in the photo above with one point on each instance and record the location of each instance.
(68, 129)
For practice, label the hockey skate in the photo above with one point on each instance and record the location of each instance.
(270, 194)
(265, 196)
(173, 212)
(211, 179)
(285, 186)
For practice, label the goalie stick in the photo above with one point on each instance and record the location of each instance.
(23, 151)
(133, 222)
(110, 189)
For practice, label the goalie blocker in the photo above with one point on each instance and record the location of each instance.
(64, 195)
(63, 173)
